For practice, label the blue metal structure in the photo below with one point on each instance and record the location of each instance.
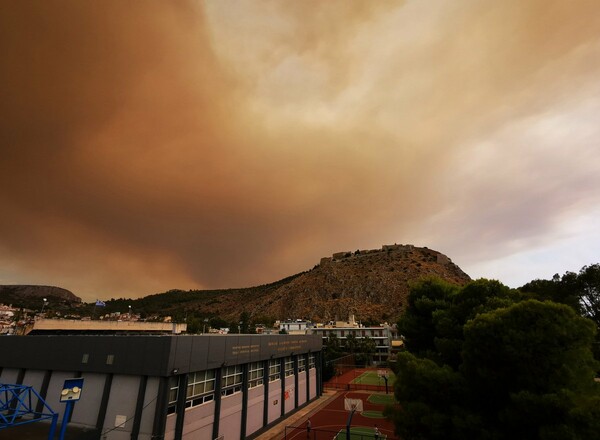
(18, 407)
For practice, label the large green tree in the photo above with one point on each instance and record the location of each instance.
(418, 325)
(529, 369)
(581, 291)
(493, 366)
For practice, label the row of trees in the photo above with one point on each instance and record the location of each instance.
(489, 362)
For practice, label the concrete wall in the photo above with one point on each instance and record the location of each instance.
(313, 382)
(198, 422)
(230, 425)
(274, 403)
(256, 399)
(85, 411)
(107, 326)
(290, 399)
(121, 404)
(170, 428)
(9, 375)
(149, 408)
(34, 378)
(302, 388)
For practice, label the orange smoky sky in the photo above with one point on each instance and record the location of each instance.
(209, 144)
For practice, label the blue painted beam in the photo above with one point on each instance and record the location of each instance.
(17, 407)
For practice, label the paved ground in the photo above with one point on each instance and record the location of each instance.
(36, 431)
(278, 431)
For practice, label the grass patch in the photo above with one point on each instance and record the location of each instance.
(373, 414)
(358, 433)
(372, 378)
(381, 399)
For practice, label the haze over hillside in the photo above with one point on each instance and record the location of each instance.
(371, 284)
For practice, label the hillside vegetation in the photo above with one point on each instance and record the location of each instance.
(373, 285)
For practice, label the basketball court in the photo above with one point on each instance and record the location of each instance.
(371, 379)
(375, 377)
(330, 422)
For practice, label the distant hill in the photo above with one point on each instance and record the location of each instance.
(32, 297)
(371, 284)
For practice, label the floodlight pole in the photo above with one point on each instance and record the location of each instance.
(349, 422)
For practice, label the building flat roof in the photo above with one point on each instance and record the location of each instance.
(162, 355)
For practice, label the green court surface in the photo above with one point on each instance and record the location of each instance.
(372, 414)
(358, 433)
(372, 378)
(381, 399)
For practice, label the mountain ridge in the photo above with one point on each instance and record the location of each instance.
(371, 284)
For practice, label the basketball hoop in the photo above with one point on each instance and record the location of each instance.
(353, 405)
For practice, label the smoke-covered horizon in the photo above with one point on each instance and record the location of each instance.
(159, 145)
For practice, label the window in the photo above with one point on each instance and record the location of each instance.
(311, 361)
(173, 393)
(289, 366)
(274, 370)
(232, 380)
(255, 374)
(201, 388)
(110, 359)
(301, 363)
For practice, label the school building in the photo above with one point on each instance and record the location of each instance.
(170, 387)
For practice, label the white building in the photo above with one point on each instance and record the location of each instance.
(382, 334)
(297, 327)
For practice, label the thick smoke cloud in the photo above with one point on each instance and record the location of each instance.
(158, 145)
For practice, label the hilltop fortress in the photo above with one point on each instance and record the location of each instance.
(399, 250)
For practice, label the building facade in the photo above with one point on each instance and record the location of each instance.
(382, 335)
(170, 387)
(297, 327)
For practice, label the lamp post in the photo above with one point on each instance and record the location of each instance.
(204, 325)
(129, 311)
(44, 305)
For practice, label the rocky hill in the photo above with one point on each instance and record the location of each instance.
(371, 284)
(32, 296)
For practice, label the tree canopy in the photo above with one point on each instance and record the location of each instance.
(581, 291)
(488, 362)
